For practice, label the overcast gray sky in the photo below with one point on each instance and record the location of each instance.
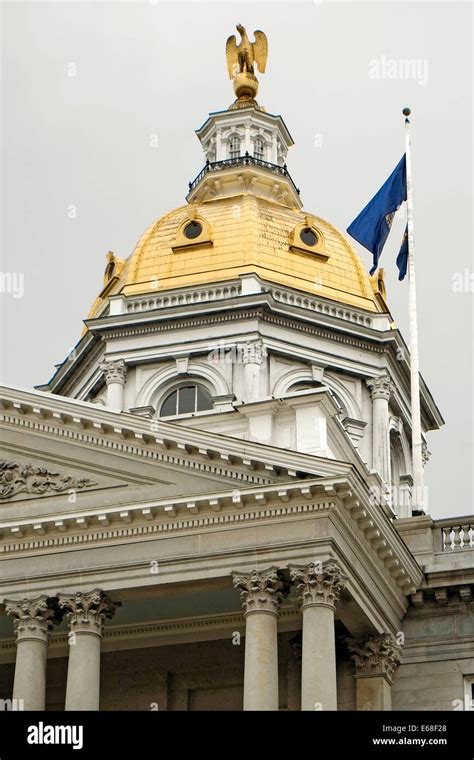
(86, 85)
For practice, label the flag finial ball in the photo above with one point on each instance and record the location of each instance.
(406, 111)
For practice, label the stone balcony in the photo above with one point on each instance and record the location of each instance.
(445, 551)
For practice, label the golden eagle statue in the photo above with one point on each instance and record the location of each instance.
(241, 58)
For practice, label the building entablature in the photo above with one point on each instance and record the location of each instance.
(274, 315)
(359, 525)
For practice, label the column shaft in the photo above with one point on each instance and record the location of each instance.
(261, 662)
(261, 594)
(33, 619)
(29, 684)
(86, 614)
(381, 438)
(83, 672)
(115, 373)
(115, 397)
(381, 389)
(318, 676)
(320, 585)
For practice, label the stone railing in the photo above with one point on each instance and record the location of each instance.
(245, 160)
(454, 535)
(305, 302)
(167, 300)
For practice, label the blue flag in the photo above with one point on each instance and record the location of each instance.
(372, 226)
(402, 258)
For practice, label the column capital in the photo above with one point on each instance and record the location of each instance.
(253, 352)
(33, 618)
(87, 610)
(260, 590)
(380, 387)
(114, 371)
(320, 583)
(377, 655)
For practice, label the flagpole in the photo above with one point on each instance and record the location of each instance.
(416, 440)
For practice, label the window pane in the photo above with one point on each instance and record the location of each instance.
(169, 405)
(234, 147)
(258, 148)
(186, 399)
(203, 400)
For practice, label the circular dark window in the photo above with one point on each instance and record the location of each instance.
(193, 230)
(308, 236)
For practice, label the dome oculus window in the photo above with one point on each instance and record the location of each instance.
(192, 230)
(308, 237)
(187, 399)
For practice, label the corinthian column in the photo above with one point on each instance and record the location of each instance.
(115, 373)
(320, 585)
(87, 612)
(375, 659)
(381, 389)
(33, 619)
(261, 593)
(253, 354)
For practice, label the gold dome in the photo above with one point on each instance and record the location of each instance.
(245, 234)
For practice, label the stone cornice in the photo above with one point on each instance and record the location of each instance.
(106, 439)
(457, 591)
(111, 328)
(87, 354)
(92, 425)
(143, 521)
(120, 524)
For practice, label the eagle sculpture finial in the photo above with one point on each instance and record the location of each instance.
(240, 63)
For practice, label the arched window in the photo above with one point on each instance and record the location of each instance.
(186, 399)
(234, 146)
(259, 148)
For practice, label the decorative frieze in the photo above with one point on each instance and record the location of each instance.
(26, 478)
(260, 590)
(377, 655)
(319, 583)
